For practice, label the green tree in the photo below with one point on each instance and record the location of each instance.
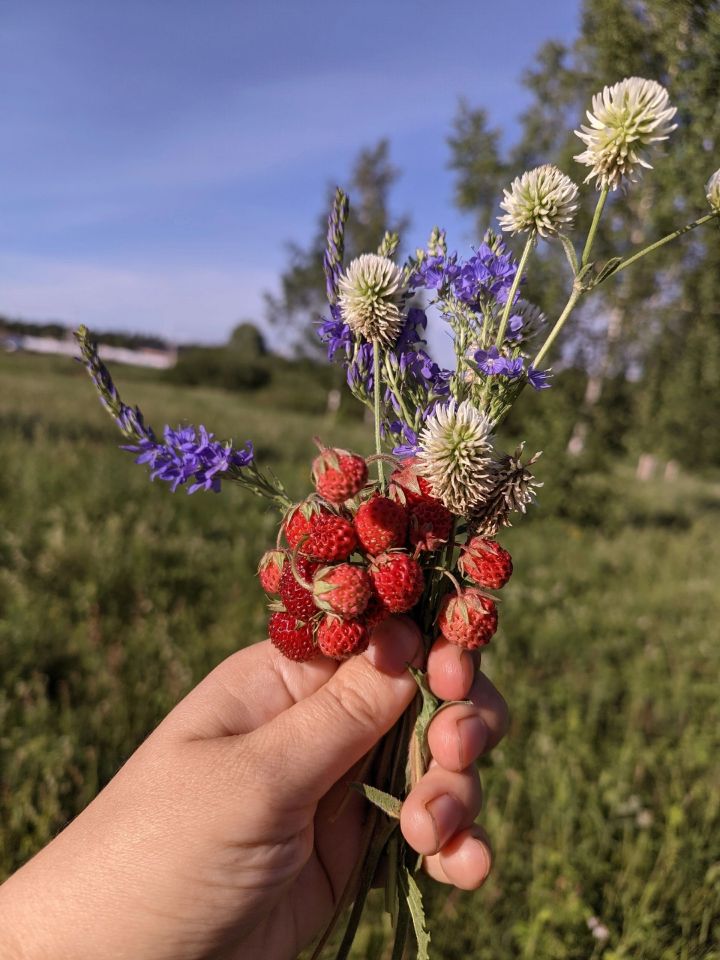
(300, 302)
(644, 320)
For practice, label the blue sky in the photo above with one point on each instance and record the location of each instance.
(158, 155)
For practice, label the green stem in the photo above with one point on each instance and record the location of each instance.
(376, 410)
(529, 244)
(389, 373)
(661, 243)
(559, 323)
(594, 225)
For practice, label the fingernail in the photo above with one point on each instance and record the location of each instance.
(445, 813)
(394, 644)
(471, 739)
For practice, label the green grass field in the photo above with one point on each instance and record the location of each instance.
(604, 801)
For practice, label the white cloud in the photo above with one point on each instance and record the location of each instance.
(178, 301)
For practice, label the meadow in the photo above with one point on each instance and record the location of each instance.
(604, 800)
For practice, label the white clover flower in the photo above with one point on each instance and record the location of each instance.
(455, 456)
(626, 117)
(542, 201)
(712, 191)
(370, 296)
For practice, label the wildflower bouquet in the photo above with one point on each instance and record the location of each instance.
(419, 536)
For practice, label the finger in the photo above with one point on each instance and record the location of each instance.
(464, 862)
(459, 734)
(450, 670)
(245, 691)
(440, 805)
(307, 748)
(492, 710)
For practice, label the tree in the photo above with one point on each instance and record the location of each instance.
(301, 300)
(248, 340)
(651, 313)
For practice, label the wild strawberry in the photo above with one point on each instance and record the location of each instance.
(269, 570)
(398, 580)
(331, 538)
(486, 563)
(297, 599)
(341, 639)
(293, 638)
(298, 520)
(468, 619)
(406, 484)
(430, 524)
(344, 589)
(339, 475)
(375, 613)
(381, 524)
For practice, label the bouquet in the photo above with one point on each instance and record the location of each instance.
(414, 528)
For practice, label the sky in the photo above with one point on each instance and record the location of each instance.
(159, 155)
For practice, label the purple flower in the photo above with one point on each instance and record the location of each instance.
(493, 363)
(490, 361)
(487, 273)
(434, 272)
(538, 379)
(336, 334)
(361, 370)
(187, 456)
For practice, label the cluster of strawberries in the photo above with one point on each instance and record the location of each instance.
(329, 603)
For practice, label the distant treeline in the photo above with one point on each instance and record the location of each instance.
(59, 331)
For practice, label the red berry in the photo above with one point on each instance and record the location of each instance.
(269, 570)
(430, 524)
(468, 619)
(406, 484)
(339, 475)
(292, 638)
(297, 599)
(381, 524)
(486, 563)
(344, 589)
(331, 538)
(398, 580)
(341, 639)
(299, 518)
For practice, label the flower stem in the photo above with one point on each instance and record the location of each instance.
(667, 239)
(376, 409)
(594, 225)
(559, 323)
(529, 244)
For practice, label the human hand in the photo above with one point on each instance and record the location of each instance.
(221, 837)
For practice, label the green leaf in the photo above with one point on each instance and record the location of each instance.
(607, 270)
(384, 801)
(414, 900)
(570, 253)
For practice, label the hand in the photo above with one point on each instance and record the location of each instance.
(219, 836)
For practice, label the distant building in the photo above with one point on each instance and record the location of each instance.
(143, 357)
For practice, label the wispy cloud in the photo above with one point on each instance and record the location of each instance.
(177, 301)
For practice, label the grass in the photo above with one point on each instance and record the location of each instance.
(604, 800)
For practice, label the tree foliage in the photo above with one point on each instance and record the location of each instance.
(300, 302)
(663, 315)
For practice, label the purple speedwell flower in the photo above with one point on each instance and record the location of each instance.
(190, 456)
(434, 272)
(486, 273)
(336, 334)
(539, 379)
(493, 363)
(490, 361)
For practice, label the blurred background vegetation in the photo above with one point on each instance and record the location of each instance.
(604, 801)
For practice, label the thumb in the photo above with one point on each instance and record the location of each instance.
(320, 738)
